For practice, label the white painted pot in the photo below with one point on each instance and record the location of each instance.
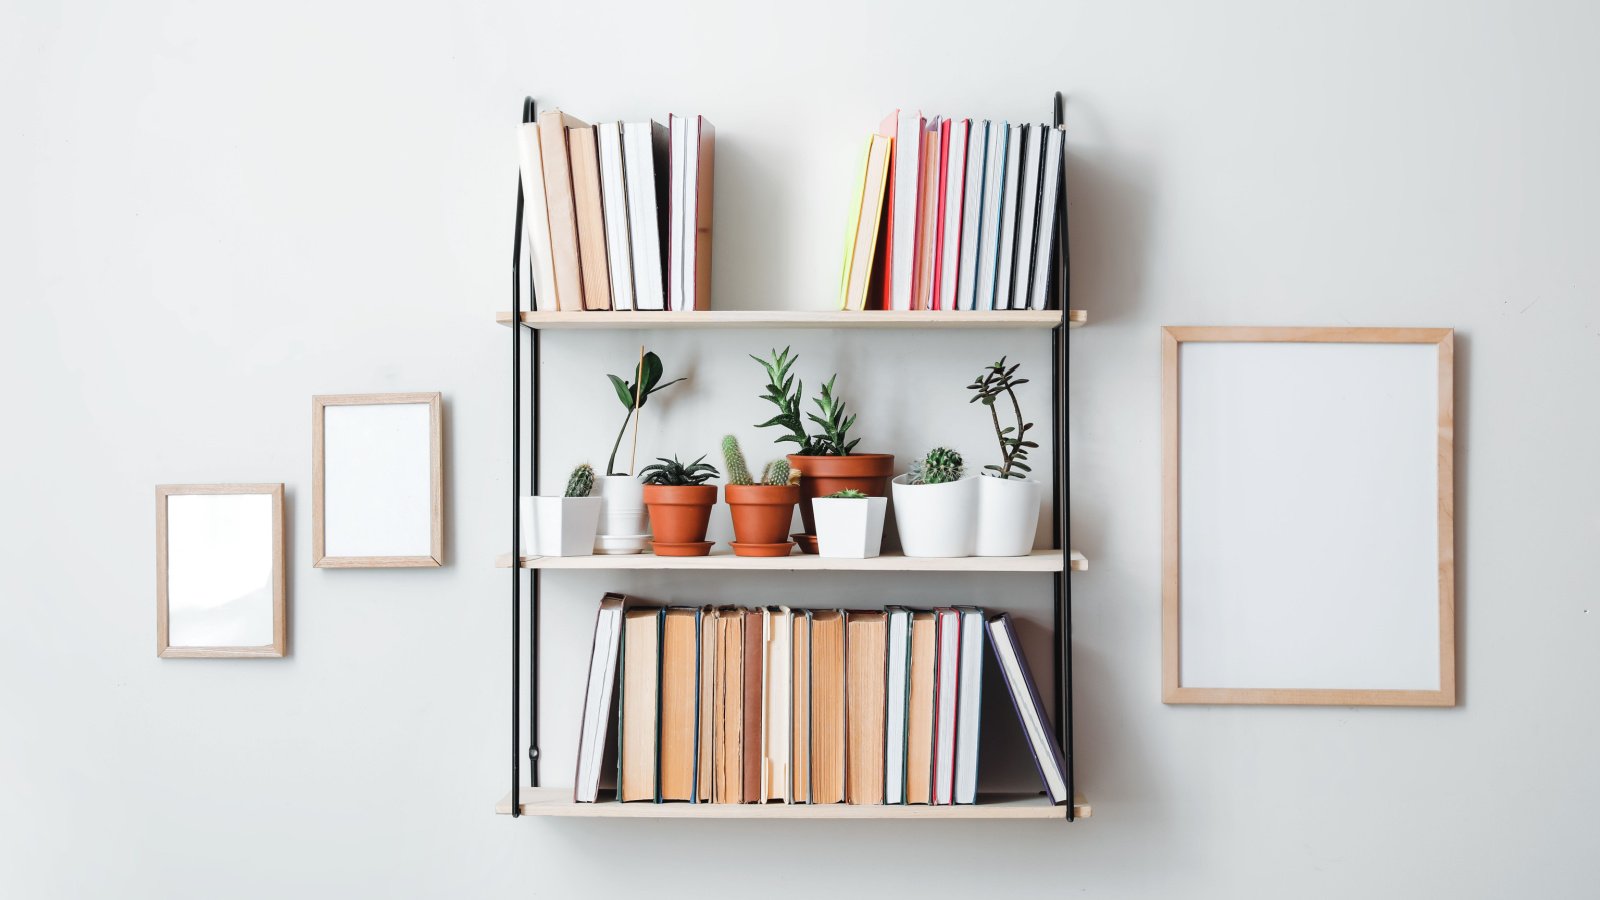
(849, 528)
(559, 526)
(622, 509)
(1008, 516)
(936, 519)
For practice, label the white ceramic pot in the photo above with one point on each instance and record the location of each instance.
(622, 509)
(1008, 516)
(936, 519)
(849, 529)
(559, 526)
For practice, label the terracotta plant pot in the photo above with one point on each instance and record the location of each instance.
(820, 476)
(680, 513)
(761, 512)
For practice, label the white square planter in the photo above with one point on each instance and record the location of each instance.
(559, 526)
(849, 528)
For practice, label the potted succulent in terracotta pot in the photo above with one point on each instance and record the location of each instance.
(680, 504)
(565, 525)
(936, 506)
(849, 524)
(1008, 501)
(827, 462)
(762, 509)
(624, 526)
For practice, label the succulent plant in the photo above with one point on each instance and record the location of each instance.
(997, 379)
(646, 381)
(784, 392)
(940, 466)
(672, 473)
(776, 473)
(581, 481)
(733, 457)
(847, 494)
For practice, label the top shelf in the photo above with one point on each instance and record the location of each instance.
(751, 318)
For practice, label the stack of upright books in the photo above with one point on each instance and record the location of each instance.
(618, 215)
(954, 214)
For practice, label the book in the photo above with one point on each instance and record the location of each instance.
(827, 706)
(896, 699)
(907, 186)
(919, 708)
(1050, 200)
(800, 709)
(989, 216)
(693, 163)
(1027, 216)
(754, 670)
(597, 698)
(927, 217)
(728, 762)
(535, 216)
(637, 713)
(644, 146)
(1047, 756)
(680, 690)
(857, 280)
(947, 674)
(777, 700)
(968, 705)
(563, 216)
(1007, 266)
(705, 704)
(590, 207)
(971, 210)
(677, 163)
(866, 654)
(883, 264)
(614, 206)
(952, 173)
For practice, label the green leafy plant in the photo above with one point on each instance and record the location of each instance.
(785, 392)
(776, 473)
(996, 381)
(580, 482)
(848, 494)
(672, 473)
(646, 381)
(733, 458)
(940, 466)
(835, 440)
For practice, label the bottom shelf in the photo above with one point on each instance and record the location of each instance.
(552, 801)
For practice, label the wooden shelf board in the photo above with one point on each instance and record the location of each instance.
(722, 559)
(743, 318)
(554, 801)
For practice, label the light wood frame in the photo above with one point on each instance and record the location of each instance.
(280, 604)
(319, 556)
(1174, 692)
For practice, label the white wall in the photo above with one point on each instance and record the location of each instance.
(211, 212)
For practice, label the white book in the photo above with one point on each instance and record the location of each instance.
(969, 705)
(644, 150)
(535, 216)
(614, 207)
(989, 216)
(1008, 218)
(777, 708)
(1049, 208)
(597, 698)
(907, 201)
(675, 241)
(1042, 742)
(971, 208)
(955, 176)
(896, 698)
(1027, 216)
(948, 674)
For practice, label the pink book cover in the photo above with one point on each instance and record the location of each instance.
(938, 243)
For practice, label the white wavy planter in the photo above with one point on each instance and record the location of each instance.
(1008, 516)
(936, 520)
(849, 528)
(559, 526)
(624, 520)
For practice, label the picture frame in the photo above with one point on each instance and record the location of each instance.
(377, 480)
(221, 589)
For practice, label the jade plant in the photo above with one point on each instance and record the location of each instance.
(646, 381)
(786, 393)
(940, 466)
(998, 380)
(672, 473)
(580, 482)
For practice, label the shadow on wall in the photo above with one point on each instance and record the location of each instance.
(1109, 201)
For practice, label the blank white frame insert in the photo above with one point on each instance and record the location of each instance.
(377, 481)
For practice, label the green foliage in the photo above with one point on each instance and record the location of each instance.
(996, 381)
(672, 473)
(785, 392)
(835, 440)
(940, 466)
(646, 381)
(776, 473)
(581, 481)
(848, 494)
(733, 457)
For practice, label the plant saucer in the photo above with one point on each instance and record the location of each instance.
(688, 548)
(780, 549)
(620, 544)
(807, 542)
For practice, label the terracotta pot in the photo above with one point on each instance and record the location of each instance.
(761, 512)
(868, 473)
(680, 513)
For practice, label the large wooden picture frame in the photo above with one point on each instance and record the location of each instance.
(395, 517)
(208, 568)
(1355, 485)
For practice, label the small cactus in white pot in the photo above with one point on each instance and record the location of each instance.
(565, 525)
(936, 506)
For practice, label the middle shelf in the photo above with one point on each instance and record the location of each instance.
(724, 560)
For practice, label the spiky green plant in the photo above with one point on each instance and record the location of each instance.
(672, 473)
(940, 466)
(847, 494)
(835, 425)
(785, 392)
(581, 481)
(998, 380)
(776, 473)
(733, 457)
(646, 381)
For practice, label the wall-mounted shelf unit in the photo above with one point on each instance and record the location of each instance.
(533, 799)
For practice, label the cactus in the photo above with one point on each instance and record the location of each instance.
(581, 481)
(738, 471)
(940, 466)
(776, 473)
(849, 494)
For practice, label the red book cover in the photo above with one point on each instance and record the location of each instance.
(938, 244)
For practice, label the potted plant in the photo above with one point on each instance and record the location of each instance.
(936, 506)
(680, 504)
(849, 524)
(565, 525)
(827, 462)
(1008, 501)
(761, 510)
(624, 526)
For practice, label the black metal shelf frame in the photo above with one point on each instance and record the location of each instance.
(1060, 493)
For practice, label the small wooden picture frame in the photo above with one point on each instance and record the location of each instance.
(220, 582)
(377, 481)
